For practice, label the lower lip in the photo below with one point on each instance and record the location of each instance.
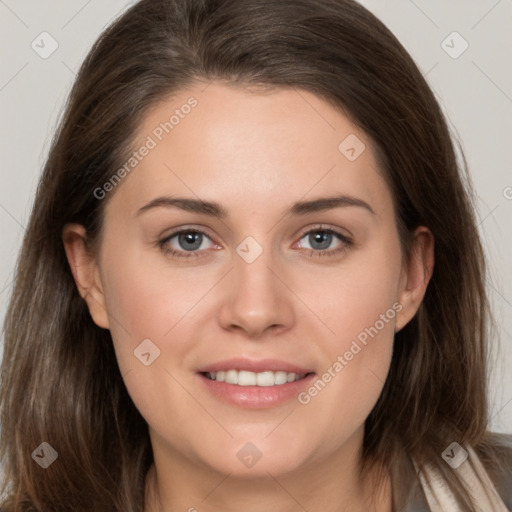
(256, 397)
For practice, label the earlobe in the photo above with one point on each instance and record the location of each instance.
(85, 272)
(416, 275)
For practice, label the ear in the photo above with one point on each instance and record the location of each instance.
(85, 272)
(416, 274)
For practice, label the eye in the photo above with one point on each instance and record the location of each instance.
(185, 241)
(324, 242)
(190, 243)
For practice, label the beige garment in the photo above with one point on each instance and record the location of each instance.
(440, 498)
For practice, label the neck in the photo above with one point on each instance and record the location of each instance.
(333, 484)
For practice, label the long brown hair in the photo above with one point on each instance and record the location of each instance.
(60, 380)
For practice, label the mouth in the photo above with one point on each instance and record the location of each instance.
(266, 378)
(252, 384)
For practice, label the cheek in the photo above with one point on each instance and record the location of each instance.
(147, 299)
(140, 303)
(360, 293)
(146, 316)
(357, 361)
(360, 306)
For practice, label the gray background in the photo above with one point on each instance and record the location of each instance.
(474, 89)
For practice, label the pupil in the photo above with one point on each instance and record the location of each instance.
(322, 238)
(190, 241)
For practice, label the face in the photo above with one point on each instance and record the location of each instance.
(251, 275)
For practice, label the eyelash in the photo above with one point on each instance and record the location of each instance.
(347, 243)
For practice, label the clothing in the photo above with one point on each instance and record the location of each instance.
(438, 498)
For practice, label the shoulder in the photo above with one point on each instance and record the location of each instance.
(495, 452)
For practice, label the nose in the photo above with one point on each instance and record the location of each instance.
(256, 298)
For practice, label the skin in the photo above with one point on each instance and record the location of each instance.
(255, 154)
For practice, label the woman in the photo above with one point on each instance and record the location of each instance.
(177, 340)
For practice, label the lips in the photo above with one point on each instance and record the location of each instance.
(254, 384)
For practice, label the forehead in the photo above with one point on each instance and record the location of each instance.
(250, 148)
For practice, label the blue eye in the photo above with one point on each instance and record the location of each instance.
(185, 241)
(189, 240)
(320, 242)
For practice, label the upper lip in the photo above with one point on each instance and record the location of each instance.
(256, 366)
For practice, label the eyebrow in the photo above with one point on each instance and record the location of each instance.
(214, 209)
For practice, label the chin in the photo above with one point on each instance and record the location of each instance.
(256, 458)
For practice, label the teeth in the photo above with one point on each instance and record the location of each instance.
(263, 379)
(290, 377)
(231, 377)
